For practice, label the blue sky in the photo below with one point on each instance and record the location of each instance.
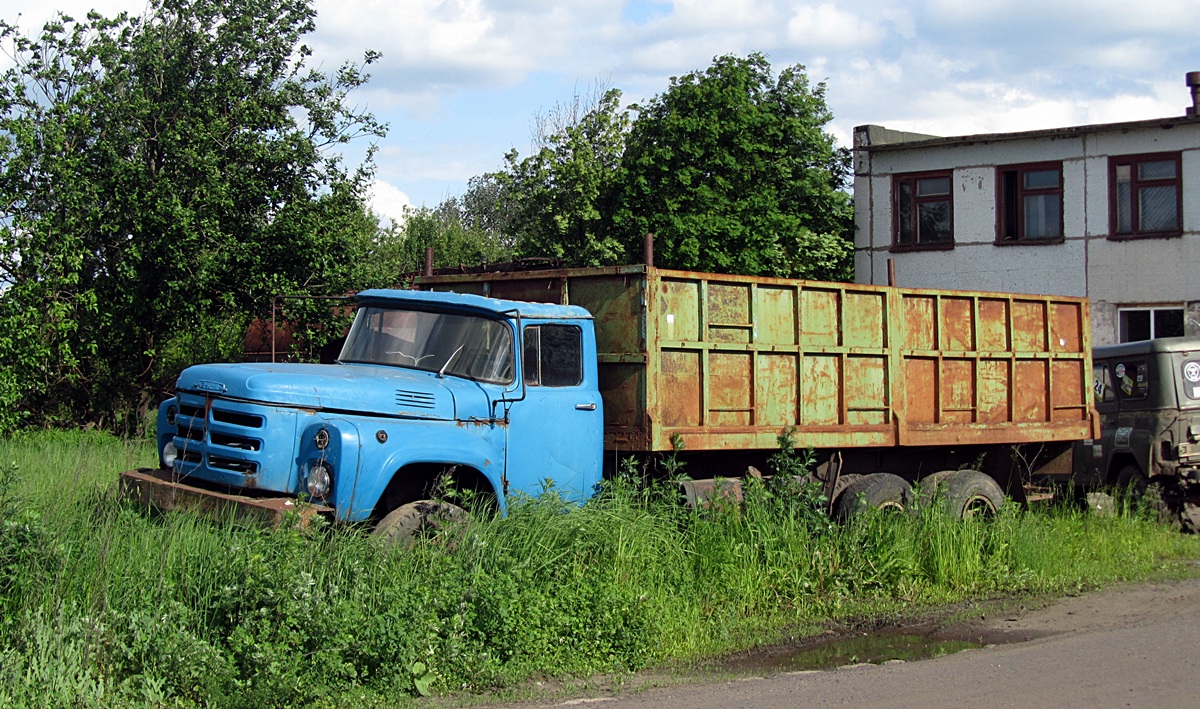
(461, 81)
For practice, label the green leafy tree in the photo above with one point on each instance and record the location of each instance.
(487, 207)
(455, 242)
(560, 197)
(732, 170)
(160, 175)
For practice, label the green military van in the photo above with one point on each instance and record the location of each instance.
(1148, 396)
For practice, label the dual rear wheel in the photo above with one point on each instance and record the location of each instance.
(961, 493)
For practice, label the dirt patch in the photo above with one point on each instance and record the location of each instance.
(1015, 623)
(1116, 607)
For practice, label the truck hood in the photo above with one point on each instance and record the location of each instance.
(367, 389)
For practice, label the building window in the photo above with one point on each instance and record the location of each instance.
(924, 211)
(1149, 323)
(1030, 206)
(1146, 195)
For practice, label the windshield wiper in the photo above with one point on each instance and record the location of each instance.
(442, 371)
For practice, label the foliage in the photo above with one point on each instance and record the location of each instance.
(103, 604)
(732, 171)
(24, 542)
(158, 173)
(560, 196)
(730, 168)
(792, 486)
(454, 240)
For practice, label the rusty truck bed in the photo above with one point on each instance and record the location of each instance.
(726, 362)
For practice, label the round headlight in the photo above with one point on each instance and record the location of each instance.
(320, 480)
(169, 455)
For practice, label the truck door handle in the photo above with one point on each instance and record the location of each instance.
(585, 407)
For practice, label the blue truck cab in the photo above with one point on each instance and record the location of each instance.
(495, 396)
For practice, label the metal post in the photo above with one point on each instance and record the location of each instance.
(428, 260)
(648, 249)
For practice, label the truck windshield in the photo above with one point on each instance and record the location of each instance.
(463, 345)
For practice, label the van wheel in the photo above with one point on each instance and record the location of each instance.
(1159, 497)
(965, 493)
(405, 524)
(879, 491)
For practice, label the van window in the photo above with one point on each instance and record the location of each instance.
(1132, 379)
(1102, 383)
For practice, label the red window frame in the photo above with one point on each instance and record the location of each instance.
(912, 240)
(1011, 193)
(1138, 183)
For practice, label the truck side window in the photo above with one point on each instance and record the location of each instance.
(1132, 378)
(553, 355)
(1103, 384)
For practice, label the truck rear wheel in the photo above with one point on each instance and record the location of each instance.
(405, 524)
(843, 482)
(964, 493)
(880, 491)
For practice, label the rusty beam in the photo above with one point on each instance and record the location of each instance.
(162, 490)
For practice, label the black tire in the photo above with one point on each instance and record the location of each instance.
(1189, 516)
(843, 482)
(1131, 484)
(877, 491)
(1158, 497)
(931, 487)
(962, 493)
(405, 524)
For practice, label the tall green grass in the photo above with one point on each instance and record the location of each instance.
(105, 605)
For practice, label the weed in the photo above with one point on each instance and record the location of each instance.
(104, 605)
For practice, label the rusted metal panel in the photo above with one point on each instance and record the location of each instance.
(707, 494)
(727, 361)
(163, 490)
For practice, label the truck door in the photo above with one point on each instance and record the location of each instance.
(557, 432)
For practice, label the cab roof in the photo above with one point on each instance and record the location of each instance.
(469, 302)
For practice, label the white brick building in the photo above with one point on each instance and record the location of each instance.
(1111, 212)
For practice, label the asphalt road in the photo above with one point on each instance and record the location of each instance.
(1136, 646)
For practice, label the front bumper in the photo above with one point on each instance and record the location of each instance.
(165, 490)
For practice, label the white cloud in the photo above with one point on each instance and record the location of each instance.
(457, 43)
(388, 202)
(706, 15)
(825, 27)
(1068, 17)
(460, 80)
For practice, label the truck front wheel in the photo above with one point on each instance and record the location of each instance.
(405, 524)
